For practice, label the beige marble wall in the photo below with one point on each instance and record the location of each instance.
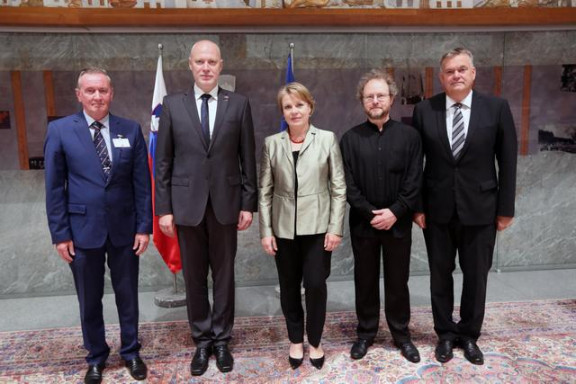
(330, 65)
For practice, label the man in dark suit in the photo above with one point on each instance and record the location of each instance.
(206, 192)
(466, 198)
(383, 168)
(98, 202)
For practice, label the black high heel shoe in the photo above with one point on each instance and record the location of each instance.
(317, 363)
(295, 363)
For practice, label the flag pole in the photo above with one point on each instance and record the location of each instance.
(169, 297)
(292, 56)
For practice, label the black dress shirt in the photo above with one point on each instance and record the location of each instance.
(383, 170)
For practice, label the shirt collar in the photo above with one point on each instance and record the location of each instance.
(467, 102)
(104, 121)
(374, 127)
(198, 92)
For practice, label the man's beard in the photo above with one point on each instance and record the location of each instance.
(377, 114)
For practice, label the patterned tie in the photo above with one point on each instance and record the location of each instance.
(101, 148)
(204, 119)
(458, 135)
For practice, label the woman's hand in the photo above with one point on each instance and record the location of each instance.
(269, 245)
(331, 242)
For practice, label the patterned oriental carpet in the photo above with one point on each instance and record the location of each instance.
(523, 342)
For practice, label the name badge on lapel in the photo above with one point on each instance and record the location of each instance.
(121, 142)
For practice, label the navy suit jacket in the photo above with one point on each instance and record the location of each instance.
(472, 185)
(188, 170)
(81, 205)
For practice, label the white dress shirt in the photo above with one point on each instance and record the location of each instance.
(212, 104)
(105, 131)
(450, 110)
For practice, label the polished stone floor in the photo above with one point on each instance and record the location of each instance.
(62, 311)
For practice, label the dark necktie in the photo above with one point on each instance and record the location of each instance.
(458, 135)
(204, 118)
(101, 148)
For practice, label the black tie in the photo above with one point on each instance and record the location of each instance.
(204, 119)
(101, 148)
(458, 135)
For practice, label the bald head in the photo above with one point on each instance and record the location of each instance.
(206, 64)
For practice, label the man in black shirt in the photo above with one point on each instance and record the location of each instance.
(383, 167)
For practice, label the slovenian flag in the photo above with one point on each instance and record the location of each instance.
(289, 79)
(166, 246)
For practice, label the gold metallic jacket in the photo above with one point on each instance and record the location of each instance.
(321, 200)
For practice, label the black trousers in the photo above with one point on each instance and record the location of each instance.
(209, 246)
(475, 247)
(395, 255)
(303, 259)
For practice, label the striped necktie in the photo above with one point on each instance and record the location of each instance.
(458, 135)
(101, 148)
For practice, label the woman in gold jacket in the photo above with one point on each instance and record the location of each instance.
(302, 202)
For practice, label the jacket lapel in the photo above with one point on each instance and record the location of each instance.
(222, 106)
(310, 135)
(190, 106)
(116, 131)
(442, 130)
(472, 124)
(82, 131)
(287, 147)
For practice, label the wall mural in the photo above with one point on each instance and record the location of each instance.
(408, 4)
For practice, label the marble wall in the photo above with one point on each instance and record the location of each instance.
(330, 65)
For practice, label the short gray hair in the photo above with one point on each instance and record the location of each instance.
(91, 71)
(456, 52)
(376, 74)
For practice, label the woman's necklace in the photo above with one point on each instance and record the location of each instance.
(297, 141)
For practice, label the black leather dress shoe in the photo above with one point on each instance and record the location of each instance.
(94, 374)
(138, 370)
(409, 351)
(443, 351)
(471, 351)
(224, 359)
(360, 348)
(199, 363)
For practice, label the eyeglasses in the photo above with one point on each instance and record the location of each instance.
(379, 97)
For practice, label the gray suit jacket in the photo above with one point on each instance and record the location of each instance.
(320, 204)
(188, 171)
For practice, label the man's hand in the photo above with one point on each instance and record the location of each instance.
(331, 242)
(269, 245)
(503, 222)
(66, 250)
(141, 241)
(166, 223)
(383, 219)
(420, 220)
(244, 220)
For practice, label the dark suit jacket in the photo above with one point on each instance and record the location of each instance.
(188, 171)
(80, 204)
(470, 185)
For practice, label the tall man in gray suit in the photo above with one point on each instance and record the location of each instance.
(466, 198)
(206, 192)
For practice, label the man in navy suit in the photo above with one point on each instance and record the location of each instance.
(206, 193)
(98, 202)
(470, 150)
